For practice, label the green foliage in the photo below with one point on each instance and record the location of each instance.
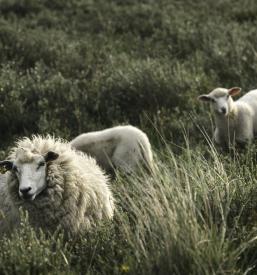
(30, 252)
(75, 66)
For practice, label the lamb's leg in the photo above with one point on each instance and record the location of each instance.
(221, 141)
(244, 133)
(217, 137)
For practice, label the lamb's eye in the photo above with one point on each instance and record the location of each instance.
(42, 163)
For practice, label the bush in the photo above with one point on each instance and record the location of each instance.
(85, 66)
(30, 252)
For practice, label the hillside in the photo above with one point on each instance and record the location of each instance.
(68, 67)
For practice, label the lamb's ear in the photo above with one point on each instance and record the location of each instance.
(50, 156)
(5, 166)
(205, 98)
(234, 91)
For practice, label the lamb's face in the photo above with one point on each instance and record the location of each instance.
(221, 99)
(31, 171)
(221, 104)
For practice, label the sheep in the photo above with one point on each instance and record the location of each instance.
(9, 216)
(121, 147)
(57, 186)
(236, 121)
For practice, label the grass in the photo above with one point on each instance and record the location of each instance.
(197, 216)
(75, 66)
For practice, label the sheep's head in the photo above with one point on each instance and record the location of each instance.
(30, 168)
(221, 99)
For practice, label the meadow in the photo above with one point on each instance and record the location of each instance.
(68, 67)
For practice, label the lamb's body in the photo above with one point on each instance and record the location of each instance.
(241, 123)
(77, 194)
(236, 121)
(122, 147)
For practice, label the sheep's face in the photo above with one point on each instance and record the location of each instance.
(221, 99)
(30, 170)
(31, 177)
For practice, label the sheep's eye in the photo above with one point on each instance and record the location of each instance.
(227, 96)
(212, 100)
(42, 163)
(15, 169)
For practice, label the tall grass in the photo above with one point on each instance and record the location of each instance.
(195, 215)
(186, 219)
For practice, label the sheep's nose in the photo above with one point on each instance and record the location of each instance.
(25, 191)
(223, 110)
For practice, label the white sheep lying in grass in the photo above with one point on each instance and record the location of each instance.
(236, 121)
(121, 147)
(57, 185)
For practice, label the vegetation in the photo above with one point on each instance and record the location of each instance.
(74, 66)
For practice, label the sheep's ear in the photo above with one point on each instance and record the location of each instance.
(50, 156)
(234, 91)
(205, 98)
(5, 166)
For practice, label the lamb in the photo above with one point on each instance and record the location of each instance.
(56, 185)
(121, 147)
(236, 121)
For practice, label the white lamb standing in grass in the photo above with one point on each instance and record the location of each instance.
(236, 121)
(123, 147)
(56, 185)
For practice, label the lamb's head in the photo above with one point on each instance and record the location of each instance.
(221, 99)
(30, 168)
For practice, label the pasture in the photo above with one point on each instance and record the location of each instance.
(68, 67)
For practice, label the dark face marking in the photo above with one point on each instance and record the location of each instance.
(41, 164)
